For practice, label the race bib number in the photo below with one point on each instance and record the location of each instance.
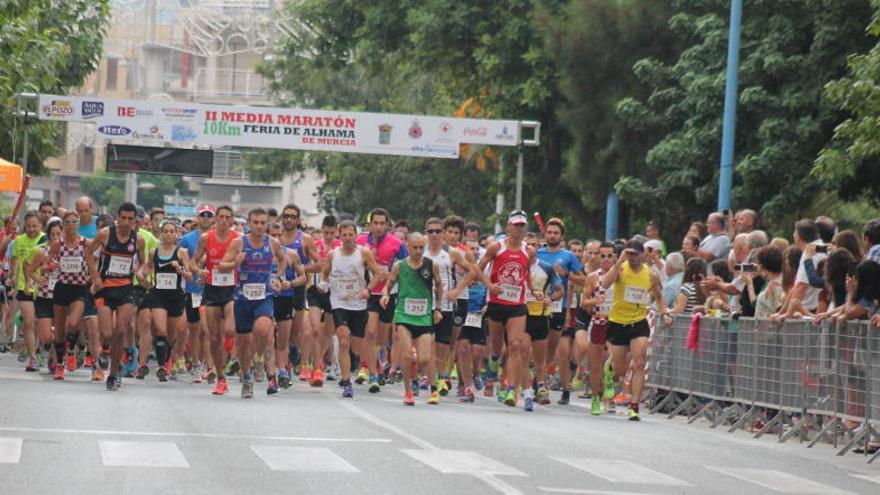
(166, 281)
(510, 293)
(446, 306)
(345, 286)
(71, 264)
(254, 292)
(556, 306)
(222, 279)
(119, 265)
(416, 307)
(473, 320)
(636, 295)
(196, 300)
(53, 279)
(530, 296)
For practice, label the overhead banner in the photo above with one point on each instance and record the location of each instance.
(161, 123)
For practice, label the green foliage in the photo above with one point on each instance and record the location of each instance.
(790, 49)
(48, 47)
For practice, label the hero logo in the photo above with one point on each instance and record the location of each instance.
(58, 108)
(475, 131)
(133, 112)
(92, 109)
(114, 130)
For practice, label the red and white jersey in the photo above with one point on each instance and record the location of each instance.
(509, 271)
(323, 249)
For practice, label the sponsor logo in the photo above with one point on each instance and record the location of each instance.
(505, 135)
(445, 129)
(114, 130)
(92, 109)
(152, 135)
(58, 108)
(385, 133)
(434, 150)
(415, 130)
(179, 113)
(133, 112)
(475, 131)
(182, 133)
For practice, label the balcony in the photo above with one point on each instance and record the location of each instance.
(228, 83)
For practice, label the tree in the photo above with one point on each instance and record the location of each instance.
(852, 159)
(48, 47)
(108, 189)
(790, 49)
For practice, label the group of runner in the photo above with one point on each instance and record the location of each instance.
(365, 308)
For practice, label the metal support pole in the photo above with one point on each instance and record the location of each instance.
(611, 217)
(519, 180)
(499, 197)
(131, 188)
(725, 176)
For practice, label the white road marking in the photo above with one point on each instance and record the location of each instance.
(10, 450)
(873, 478)
(620, 471)
(461, 462)
(445, 459)
(193, 435)
(778, 481)
(580, 491)
(142, 454)
(305, 459)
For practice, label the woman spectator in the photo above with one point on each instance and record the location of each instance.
(718, 301)
(690, 295)
(698, 230)
(792, 260)
(769, 300)
(849, 240)
(780, 243)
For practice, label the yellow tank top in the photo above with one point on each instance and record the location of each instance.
(632, 295)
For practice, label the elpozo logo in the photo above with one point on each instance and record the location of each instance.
(114, 130)
(58, 108)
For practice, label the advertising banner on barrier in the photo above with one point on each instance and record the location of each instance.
(162, 123)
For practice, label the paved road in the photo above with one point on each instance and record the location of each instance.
(74, 437)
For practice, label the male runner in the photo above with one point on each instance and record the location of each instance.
(453, 231)
(418, 279)
(343, 273)
(253, 256)
(112, 281)
(507, 284)
(546, 289)
(219, 289)
(194, 290)
(590, 337)
(319, 302)
(386, 249)
(634, 286)
(472, 338)
(294, 238)
(449, 262)
(283, 302)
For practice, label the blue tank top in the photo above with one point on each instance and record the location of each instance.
(289, 275)
(297, 244)
(476, 297)
(255, 271)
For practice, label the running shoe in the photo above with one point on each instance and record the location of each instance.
(424, 385)
(131, 365)
(543, 396)
(596, 406)
(347, 390)
(459, 389)
(608, 380)
(89, 361)
(408, 398)
(72, 365)
(317, 378)
(374, 384)
(443, 386)
(510, 397)
(555, 382)
(621, 399)
(468, 395)
(59, 372)
(221, 388)
(434, 399)
(32, 366)
(180, 366)
(232, 367)
(494, 367)
(283, 378)
(161, 373)
(210, 376)
(332, 373)
(97, 375)
(577, 382)
(528, 403)
(144, 371)
(362, 376)
(489, 391)
(305, 374)
(111, 383)
(563, 401)
(633, 415)
(272, 386)
(415, 387)
(247, 387)
(478, 382)
(198, 373)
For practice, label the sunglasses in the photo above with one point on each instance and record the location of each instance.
(606, 256)
(288, 216)
(206, 214)
(434, 231)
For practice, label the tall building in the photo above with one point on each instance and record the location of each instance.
(202, 51)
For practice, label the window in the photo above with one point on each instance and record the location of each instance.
(112, 69)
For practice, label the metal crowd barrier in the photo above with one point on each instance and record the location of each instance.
(798, 379)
